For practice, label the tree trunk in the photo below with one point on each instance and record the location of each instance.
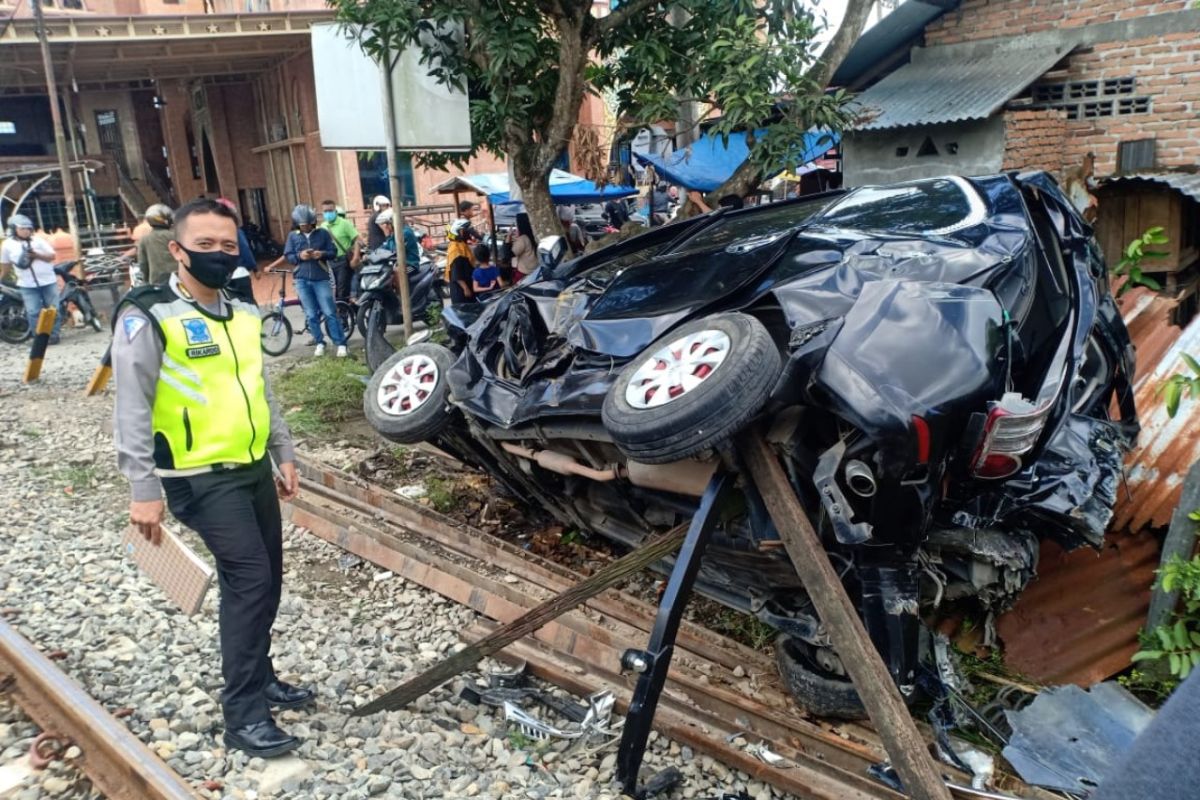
(535, 190)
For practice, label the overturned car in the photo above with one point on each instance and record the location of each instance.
(939, 364)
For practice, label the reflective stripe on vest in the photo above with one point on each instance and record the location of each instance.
(210, 405)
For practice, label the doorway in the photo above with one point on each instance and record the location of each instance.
(108, 129)
(211, 185)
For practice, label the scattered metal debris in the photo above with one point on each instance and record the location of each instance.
(1067, 738)
(596, 721)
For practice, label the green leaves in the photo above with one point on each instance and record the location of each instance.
(1174, 387)
(1178, 642)
(1130, 264)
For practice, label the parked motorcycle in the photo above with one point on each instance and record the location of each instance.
(261, 244)
(379, 301)
(14, 325)
(939, 365)
(75, 291)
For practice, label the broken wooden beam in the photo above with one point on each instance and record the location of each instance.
(465, 659)
(871, 678)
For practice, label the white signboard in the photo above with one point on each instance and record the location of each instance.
(350, 99)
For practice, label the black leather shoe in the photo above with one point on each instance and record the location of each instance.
(284, 695)
(261, 739)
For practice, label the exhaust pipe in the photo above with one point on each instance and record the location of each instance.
(860, 479)
(680, 477)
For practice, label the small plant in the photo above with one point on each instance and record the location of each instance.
(440, 493)
(320, 395)
(1130, 264)
(1178, 641)
(433, 318)
(1174, 387)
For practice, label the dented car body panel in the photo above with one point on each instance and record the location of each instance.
(954, 383)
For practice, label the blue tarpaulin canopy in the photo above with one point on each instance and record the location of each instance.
(710, 161)
(565, 188)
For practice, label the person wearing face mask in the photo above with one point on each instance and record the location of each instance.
(345, 239)
(312, 249)
(195, 419)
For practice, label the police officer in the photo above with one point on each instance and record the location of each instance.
(194, 418)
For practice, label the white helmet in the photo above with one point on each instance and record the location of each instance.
(380, 201)
(384, 216)
(457, 229)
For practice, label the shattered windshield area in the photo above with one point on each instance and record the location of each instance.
(934, 207)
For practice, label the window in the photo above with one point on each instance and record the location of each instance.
(934, 207)
(1091, 99)
(901, 152)
(1135, 155)
(928, 148)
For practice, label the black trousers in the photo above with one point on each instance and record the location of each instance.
(236, 513)
(342, 277)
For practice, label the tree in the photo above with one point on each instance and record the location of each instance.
(753, 63)
(527, 65)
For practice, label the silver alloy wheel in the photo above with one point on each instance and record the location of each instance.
(407, 385)
(677, 368)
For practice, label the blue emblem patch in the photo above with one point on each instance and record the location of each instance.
(196, 331)
(133, 326)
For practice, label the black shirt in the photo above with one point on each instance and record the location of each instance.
(461, 269)
(375, 234)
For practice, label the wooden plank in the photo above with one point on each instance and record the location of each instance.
(879, 694)
(465, 659)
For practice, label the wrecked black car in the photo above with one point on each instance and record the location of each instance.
(939, 364)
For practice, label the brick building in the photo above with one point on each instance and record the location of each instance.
(984, 85)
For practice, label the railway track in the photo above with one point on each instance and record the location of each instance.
(118, 764)
(719, 695)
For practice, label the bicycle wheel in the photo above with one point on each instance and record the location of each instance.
(345, 315)
(276, 334)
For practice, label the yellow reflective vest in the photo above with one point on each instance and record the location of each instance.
(210, 404)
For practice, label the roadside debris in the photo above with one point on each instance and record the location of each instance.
(1068, 738)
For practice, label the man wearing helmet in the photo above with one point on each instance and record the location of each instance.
(153, 255)
(311, 249)
(33, 261)
(375, 234)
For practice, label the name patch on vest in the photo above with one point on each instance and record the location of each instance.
(202, 352)
(196, 331)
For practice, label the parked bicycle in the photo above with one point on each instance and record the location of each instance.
(277, 328)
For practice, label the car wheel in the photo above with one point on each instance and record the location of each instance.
(821, 693)
(693, 389)
(406, 398)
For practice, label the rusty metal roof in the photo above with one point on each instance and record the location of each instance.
(1185, 182)
(1167, 447)
(950, 84)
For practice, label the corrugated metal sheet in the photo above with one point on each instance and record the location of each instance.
(1167, 447)
(1077, 622)
(1185, 182)
(944, 84)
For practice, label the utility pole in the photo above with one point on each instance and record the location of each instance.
(60, 142)
(389, 108)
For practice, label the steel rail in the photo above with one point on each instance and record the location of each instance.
(118, 764)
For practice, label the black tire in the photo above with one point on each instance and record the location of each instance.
(707, 415)
(360, 319)
(276, 334)
(379, 349)
(429, 418)
(817, 691)
(14, 325)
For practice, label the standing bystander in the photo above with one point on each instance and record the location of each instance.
(311, 248)
(33, 259)
(345, 240)
(194, 418)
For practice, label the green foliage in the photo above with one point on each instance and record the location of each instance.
(440, 493)
(526, 65)
(1149, 685)
(319, 395)
(1175, 386)
(433, 318)
(1178, 641)
(1135, 253)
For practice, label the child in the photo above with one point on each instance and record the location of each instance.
(486, 277)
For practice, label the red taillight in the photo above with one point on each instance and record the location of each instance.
(1013, 427)
(921, 429)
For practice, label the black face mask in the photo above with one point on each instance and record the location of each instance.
(213, 269)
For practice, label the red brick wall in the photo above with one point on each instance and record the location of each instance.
(1034, 140)
(986, 19)
(1167, 70)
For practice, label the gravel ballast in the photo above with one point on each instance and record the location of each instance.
(345, 628)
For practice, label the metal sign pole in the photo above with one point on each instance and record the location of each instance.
(397, 197)
(60, 143)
